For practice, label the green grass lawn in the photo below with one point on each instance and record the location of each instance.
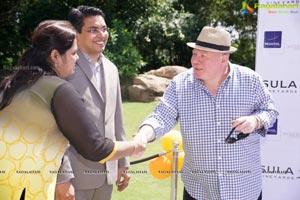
(144, 185)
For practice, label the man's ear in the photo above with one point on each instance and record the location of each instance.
(78, 38)
(77, 35)
(225, 58)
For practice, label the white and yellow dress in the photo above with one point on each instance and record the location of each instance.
(32, 145)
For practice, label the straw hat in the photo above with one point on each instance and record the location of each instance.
(213, 39)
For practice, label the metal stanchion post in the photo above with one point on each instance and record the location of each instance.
(174, 171)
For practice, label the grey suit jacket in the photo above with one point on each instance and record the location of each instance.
(107, 114)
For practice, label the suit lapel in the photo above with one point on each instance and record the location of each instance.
(83, 64)
(108, 78)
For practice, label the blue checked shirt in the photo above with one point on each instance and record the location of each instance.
(213, 169)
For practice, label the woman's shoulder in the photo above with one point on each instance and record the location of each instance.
(46, 86)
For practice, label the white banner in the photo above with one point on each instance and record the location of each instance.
(278, 61)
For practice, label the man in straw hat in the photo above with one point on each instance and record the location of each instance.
(223, 109)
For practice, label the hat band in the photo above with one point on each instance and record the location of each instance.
(212, 46)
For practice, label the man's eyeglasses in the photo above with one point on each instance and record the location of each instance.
(96, 30)
(231, 140)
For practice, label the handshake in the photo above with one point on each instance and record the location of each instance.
(140, 140)
(137, 146)
(140, 143)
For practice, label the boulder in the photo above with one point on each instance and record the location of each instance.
(152, 85)
(147, 88)
(167, 71)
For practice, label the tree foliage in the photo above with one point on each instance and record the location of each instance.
(145, 34)
(228, 14)
(9, 33)
(123, 52)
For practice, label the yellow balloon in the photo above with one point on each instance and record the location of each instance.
(180, 159)
(160, 167)
(169, 138)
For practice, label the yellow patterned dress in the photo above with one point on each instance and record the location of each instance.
(31, 145)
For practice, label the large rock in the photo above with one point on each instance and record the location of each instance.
(140, 93)
(167, 71)
(152, 85)
(147, 88)
(155, 83)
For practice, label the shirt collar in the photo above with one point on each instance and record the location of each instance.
(231, 68)
(88, 58)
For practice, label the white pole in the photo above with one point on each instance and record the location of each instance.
(174, 171)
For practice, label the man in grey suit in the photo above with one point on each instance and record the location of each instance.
(97, 81)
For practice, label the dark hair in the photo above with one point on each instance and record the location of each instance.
(77, 15)
(34, 63)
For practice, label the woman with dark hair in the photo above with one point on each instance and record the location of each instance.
(40, 112)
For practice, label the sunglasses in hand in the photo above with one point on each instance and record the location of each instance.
(231, 140)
